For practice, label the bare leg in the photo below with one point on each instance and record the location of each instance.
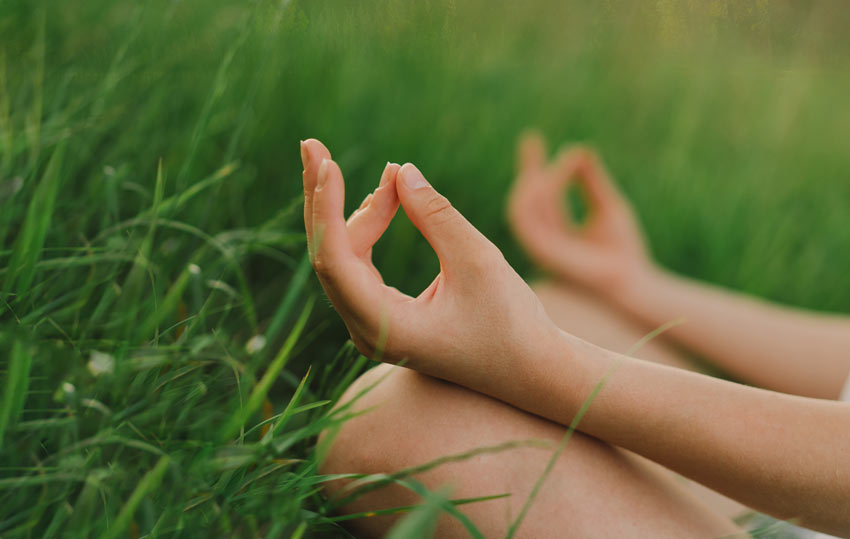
(594, 490)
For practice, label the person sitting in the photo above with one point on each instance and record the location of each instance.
(488, 359)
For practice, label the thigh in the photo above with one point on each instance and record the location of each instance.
(594, 490)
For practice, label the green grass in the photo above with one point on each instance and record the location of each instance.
(150, 219)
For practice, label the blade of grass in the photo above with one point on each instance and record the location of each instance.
(447, 506)
(296, 285)
(299, 531)
(287, 412)
(17, 383)
(34, 120)
(148, 327)
(255, 400)
(406, 508)
(148, 484)
(131, 291)
(422, 521)
(372, 482)
(216, 92)
(6, 129)
(575, 422)
(30, 240)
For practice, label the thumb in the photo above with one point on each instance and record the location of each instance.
(457, 243)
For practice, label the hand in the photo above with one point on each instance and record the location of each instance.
(604, 253)
(470, 326)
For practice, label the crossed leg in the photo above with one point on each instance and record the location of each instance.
(593, 490)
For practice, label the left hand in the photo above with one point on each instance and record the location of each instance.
(475, 321)
(607, 253)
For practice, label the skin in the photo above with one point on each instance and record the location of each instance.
(593, 490)
(771, 346)
(481, 327)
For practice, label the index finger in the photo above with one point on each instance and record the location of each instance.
(601, 189)
(348, 282)
(312, 154)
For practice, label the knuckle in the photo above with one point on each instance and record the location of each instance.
(487, 260)
(321, 264)
(364, 346)
(493, 258)
(370, 345)
(438, 209)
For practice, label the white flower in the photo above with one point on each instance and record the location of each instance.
(101, 363)
(255, 344)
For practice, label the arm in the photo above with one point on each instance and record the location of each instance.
(784, 455)
(773, 346)
(780, 348)
(479, 325)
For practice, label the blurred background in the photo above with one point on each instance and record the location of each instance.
(157, 306)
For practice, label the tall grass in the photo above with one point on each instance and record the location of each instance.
(164, 365)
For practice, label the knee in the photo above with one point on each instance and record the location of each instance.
(389, 432)
(381, 429)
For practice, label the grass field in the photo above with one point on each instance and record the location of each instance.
(166, 356)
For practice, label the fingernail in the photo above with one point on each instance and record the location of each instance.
(385, 176)
(305, 155)
(412, 178)
(366, 201)
(323, 174)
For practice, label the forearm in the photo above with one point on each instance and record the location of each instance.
(785, 455)
(480, 325)
(776, 347)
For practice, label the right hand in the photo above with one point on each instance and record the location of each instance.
(478, 322)
(607, 251)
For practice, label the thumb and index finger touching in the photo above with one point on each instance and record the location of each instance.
(348, 282)
(456, 242)
(573, 164)
(333, 243)
(330, 236)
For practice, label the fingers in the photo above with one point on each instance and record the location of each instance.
(458, 245)
(601, 189)
(582, 165)
(531, 161)
(531, 201)
(531, 158)
(370, 221)
(565, 166)
(531, 153)
(312, 153)
(561, 173)
(351, 285)
(331, 245)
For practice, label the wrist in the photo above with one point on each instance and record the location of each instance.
(637, 287)
(555, 376)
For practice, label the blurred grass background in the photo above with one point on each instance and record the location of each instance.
(156, 305)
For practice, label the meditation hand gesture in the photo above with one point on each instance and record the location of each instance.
(479, 325)
(477, 315)
(607, 251)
